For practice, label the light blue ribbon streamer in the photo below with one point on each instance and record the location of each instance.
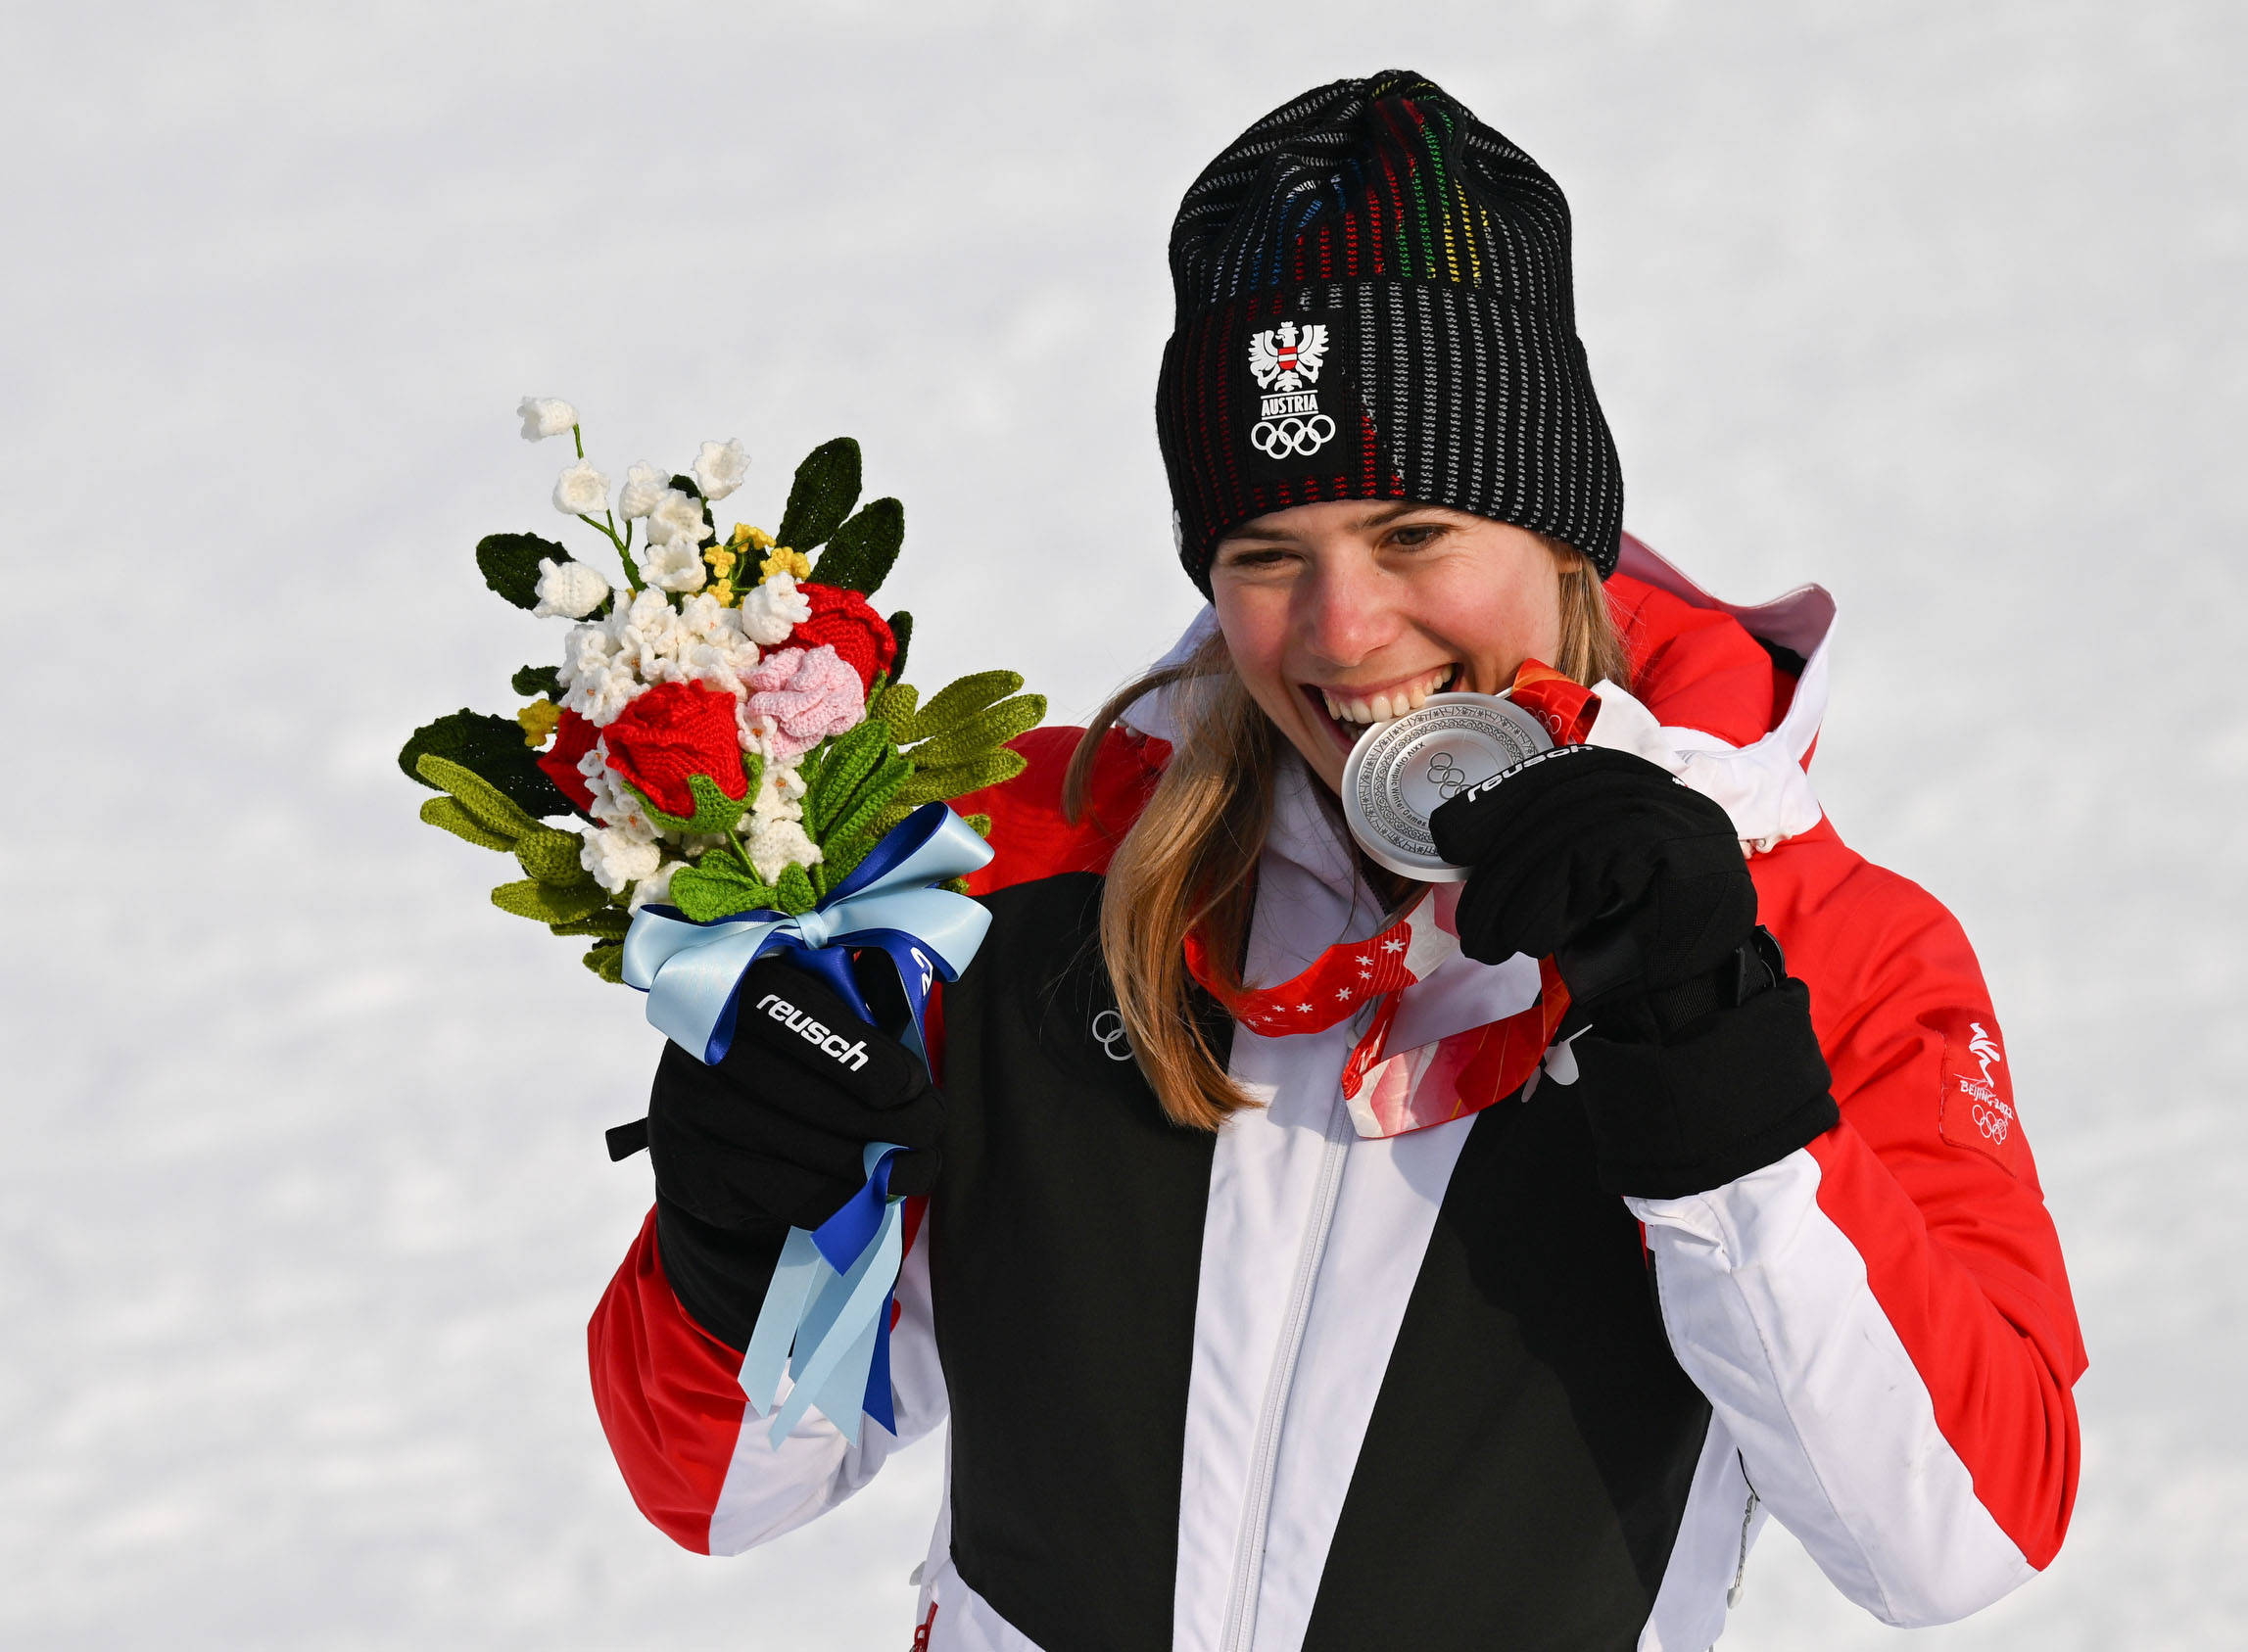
(824, 1315)
(834, 1317)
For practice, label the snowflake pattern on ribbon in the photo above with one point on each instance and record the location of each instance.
(1392, 1092)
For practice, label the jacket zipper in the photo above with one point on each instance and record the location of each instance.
(1747, 1514)
(1249, 1546)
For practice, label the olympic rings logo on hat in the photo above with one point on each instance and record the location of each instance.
(1277, 439)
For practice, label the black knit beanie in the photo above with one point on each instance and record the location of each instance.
(1373, 302)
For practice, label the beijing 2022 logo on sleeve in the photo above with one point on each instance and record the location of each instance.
(1284, 363)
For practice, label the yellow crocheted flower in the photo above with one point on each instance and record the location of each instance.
(538, 720)
(747, 538)
(721, 561)
(784, 561)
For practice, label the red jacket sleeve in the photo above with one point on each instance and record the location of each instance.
(1932, 1180)
(1883, 1320)
(667, 1393)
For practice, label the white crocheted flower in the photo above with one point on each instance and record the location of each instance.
(613, 804)
(597, 683)
(720, 467)
(544, 416)
(675, 565)
(778, 845)
(618, 858)
(774, 609)
(705, 617)
(568, 589)
(655, 887)
(715, 653)
(676, 516)
(648, 635)
(643, 486)
(779, 797)
(581, 491)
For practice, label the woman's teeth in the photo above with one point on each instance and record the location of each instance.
(1382, 707)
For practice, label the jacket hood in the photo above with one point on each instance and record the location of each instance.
(1730, 696)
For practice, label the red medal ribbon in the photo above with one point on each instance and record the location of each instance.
(1465, 1072)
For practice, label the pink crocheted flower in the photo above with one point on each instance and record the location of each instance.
(804, 694)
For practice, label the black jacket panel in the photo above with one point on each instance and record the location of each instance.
(1065, 1250)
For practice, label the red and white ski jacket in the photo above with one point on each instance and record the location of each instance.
(1294, 1387)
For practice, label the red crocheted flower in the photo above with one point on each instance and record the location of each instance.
(574, 737)
(674, 730)
(845, 622)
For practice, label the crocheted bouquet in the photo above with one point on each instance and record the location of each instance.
(729, 729)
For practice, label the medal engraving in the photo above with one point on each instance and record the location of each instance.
(1400, 772)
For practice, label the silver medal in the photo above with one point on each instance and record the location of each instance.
(1400, 770)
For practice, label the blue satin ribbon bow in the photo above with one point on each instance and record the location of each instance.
(825, 1317)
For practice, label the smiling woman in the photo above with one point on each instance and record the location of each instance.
(1331, 617)
(1286, 1273)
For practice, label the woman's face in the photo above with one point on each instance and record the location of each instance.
(1343, 615)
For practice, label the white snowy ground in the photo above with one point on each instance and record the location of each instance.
(303, 1202)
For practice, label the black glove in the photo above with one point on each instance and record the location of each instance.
(774, 1137)
(1699, 1062)
(1633, 883)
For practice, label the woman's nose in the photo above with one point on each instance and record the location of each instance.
(1345, 611)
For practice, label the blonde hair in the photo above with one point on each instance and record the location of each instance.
(1189, 860)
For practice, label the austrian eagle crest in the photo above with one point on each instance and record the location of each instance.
(1286, 356)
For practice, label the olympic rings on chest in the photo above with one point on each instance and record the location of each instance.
(1111, 1036)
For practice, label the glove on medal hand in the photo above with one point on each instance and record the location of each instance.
(774, 1137)
(1698, 1063)
(1632, 882)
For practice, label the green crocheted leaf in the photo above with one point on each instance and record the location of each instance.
(538, 679)
(509, 563)
(854, 836)
(958, 780)
(979, 825)
(606, 960)
(810, 765)
(794, 893)
(718, 886)
(714, 811)
(863, 550)
(826, 488)
(553, 856)
(901, 627)
(530, 898)
(845, 764)
(987, 730)
(608, 925)
(491, 748)
(837, 861)
(872, 796)
(447, 812)
(962, 698)
(483, 803)
(894, 709)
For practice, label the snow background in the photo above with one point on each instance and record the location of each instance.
(306, 1203)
